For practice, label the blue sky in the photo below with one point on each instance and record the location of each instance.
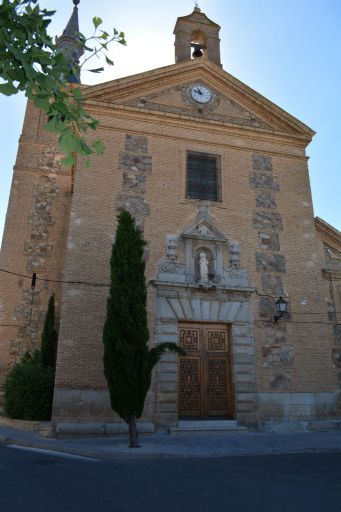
(287, 51)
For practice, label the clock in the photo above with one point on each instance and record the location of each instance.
(201, 94)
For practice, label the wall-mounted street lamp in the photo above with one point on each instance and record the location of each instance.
(281, 307)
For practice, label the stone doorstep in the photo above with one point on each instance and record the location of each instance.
(66, 429)
(203, 426)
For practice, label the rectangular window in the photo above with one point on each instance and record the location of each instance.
(202, 176)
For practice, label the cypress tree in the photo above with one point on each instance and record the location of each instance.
(128, 362)
(49, 338)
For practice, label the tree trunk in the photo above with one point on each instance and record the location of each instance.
(133, 434)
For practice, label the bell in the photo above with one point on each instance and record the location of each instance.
(197, 52)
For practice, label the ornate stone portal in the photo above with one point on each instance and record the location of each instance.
(201, 281)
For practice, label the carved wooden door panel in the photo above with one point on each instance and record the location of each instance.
(218, 371)
(190, 381)
(205, 383)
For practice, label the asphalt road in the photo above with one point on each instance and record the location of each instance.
(44, 481)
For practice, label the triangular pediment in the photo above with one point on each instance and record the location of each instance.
(204, 230)
(330, 236)
(169, 89)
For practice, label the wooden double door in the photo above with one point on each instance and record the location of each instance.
(205, 380)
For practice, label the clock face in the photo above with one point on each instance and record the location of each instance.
(201, 94)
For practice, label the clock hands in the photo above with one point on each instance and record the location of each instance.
(201, 94)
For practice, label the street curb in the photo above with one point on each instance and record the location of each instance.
(8, 441)
(11, 441)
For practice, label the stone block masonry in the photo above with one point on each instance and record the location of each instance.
(34, 240)
(277, 357)
(136, 165)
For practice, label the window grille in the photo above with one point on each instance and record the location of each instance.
(202, 176)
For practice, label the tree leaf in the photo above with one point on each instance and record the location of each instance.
(109, 61)
(88, 163)
(67, 161)
(41, 103)
(96, 70)
(97, 21)
(77, 93)
(69, 142)
(98, 146)
(51, 125)
(8, 89)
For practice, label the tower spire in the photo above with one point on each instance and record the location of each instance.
(69, 44)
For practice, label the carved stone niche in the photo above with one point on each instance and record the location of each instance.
(211, 260)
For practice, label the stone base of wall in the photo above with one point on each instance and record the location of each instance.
(69, 429)
(303, 425)
(296, 406)
(89, 406)
(92, 407)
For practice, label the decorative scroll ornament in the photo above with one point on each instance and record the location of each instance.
(168, 267)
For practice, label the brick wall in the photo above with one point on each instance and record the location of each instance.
(266, 206)
(34, 240)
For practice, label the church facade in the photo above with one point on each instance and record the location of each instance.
(216, 177)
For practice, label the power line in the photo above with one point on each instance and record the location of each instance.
(54, 280)
(103, 285)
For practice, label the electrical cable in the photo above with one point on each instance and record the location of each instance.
(103, 285)
(55, 280)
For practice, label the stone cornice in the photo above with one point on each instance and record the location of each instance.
(328, 233)
(333, 275)
(154, 80)
(195, 124)
(202, 288)
(194, 16)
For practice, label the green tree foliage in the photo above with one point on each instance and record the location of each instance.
(30, 62)
(29, 384)
(49, 338)
(29, 389)
(128, 362)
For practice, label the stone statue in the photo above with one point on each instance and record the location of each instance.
(203, 265)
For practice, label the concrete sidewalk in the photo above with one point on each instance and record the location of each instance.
(185, 445)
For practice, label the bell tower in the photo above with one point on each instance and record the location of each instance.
(197, 36)
(68, 43)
